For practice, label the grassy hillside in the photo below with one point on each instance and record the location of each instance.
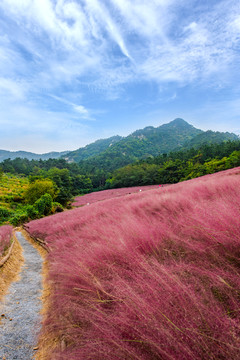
(12, 188)
(109, 194)
(151, 275)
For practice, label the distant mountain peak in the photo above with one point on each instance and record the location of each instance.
(177, 122)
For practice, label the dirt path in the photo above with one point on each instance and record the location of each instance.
(20, 318)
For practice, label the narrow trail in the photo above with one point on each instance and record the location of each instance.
(20, 310)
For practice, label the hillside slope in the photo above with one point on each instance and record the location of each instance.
(152, 275)
(12, 188)
(209, 137)
(142, 143)
(148, 142)
(4, 154)
(91, 150)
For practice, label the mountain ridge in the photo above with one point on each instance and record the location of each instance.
(5, 154)
(149, 141)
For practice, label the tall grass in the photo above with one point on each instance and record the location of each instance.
(109, 194)
(5, 238)
(152, 275)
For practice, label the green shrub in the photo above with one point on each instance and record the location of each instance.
(18, 219)
(57, 207)
(5, 214)
(44, 204)
(32, 212)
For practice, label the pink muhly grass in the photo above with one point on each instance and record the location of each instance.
(109, 194)
(152, 275)
(5, 238)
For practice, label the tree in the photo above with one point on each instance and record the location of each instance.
(44, 204)
(62, 178)
(39, 188)
(80, 182)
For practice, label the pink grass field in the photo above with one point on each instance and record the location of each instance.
(151, 275)
(109, 194)
(5, 238)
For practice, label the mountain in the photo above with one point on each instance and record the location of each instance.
(92, 149)
(146, 142)
(208, 137)
(149, 142)
(4, 154)
(167, 137)
(143, 143)
(116, 151)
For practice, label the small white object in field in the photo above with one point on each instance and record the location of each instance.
(140, 190)
(87, 203)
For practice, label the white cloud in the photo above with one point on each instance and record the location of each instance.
(102, 18)
(98, 46)
(76, 38)
(80, 109)
(12, 89)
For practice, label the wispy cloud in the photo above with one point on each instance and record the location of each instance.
(87, 47)
(80, 109)
(70, 40)
(12, 89)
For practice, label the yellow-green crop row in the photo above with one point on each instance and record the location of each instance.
(12, 188)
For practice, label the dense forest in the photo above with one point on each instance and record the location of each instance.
(74, 178)
(50, 186)
(31, 189)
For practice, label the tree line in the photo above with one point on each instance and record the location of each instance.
(178, 166)
(73, 179)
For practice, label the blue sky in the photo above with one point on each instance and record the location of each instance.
(74, 71)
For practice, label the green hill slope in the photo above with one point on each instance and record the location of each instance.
(208, 137)
(92, 149)
(142, 143)
(150, 141)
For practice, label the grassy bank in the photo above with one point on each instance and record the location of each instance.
(10, 270)
(151, 275)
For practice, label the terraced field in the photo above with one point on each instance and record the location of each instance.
(12, 188)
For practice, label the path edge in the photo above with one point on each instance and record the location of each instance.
(11, 267)
(45, 344)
